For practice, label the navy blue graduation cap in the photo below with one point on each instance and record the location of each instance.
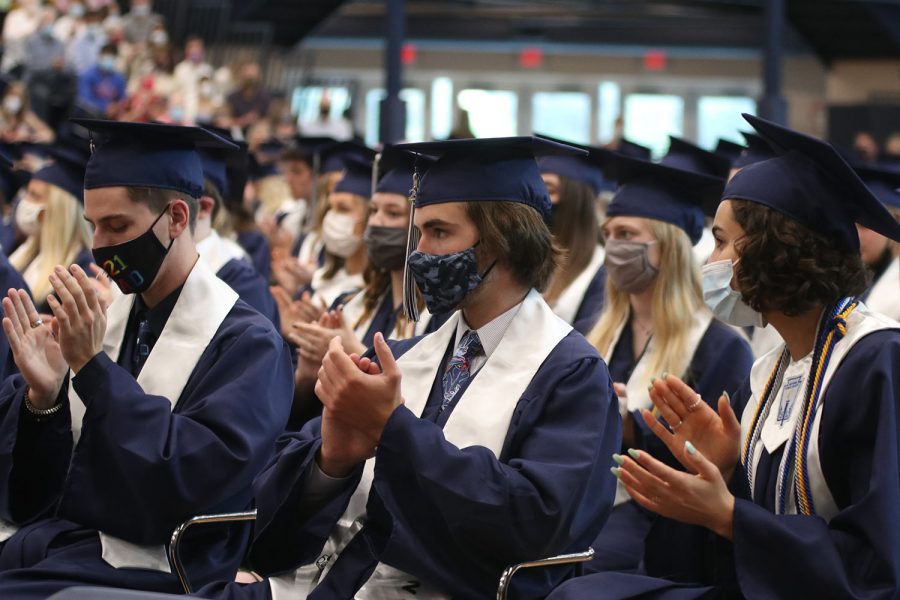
(728, 150)
(333, 157)
(656, 191)
(396, 169)
(633, 149)
(810, 182)
(487, 169)
(11, 178)
(314, 144)
(689, 157)
(151, 155)
(883, 181)
(226, 169)
(357, 178)
(584, 169)
(757, 150)
(66, 168)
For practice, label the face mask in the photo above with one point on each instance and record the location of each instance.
(195, 57)
(176, 113)
(338, 234)
(12, 104)
(134, 264)
(107, 62)
(724, 301)
(205, 89)
(386, 246)
(446, 279)
(76, 11)
(47, 31)
(141, 10)
(628, 265)
(27, 213)
(159, 37)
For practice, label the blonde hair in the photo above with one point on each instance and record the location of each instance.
(62, 236)
(272, 191)
(677, 297)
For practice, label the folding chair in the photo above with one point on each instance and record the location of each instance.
(562, 559)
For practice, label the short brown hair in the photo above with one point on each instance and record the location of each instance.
(517, 235)
(157, 199)
(787, 267)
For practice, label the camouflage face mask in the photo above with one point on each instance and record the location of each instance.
(446, 279)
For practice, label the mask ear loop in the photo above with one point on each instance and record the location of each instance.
(410, 300)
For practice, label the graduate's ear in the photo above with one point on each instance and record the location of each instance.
(180, 217)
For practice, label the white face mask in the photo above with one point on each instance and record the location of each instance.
(724, 301)
(12, 104)
(27, 213)
(338, 233)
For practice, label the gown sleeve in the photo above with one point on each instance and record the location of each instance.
(857, 553)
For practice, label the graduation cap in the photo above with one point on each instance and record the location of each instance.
(633, 149)
(479, 170)
(314, 144)
(810, 182)
(357, 178)
(226, 169)
(689, 157)
(11, 179)
(883, 182)
(584, 169)
(669, 194)
(728, 150)
(396, 169)
(151, 155)
(66, 168)
(757, 150)
(334, 156)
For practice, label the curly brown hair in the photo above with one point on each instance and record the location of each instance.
(787, 267)
(518, 236)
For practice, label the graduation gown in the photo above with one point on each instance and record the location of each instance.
(719, 361)
(444, 518)
(9, 278)
(581, 302)
(232, 265)
(851, 547)
(99, 487)
(257, 247)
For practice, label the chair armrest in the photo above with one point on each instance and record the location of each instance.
(174, 552)
(562, 559)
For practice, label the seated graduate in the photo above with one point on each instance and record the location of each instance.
(128, 419)
(12, 179)
(805, 486)
(52, 216)
(576, 290)
(471, 448)
(228, 260)
(880, 254)
(357, 316)
(654, 321)
(9, 279)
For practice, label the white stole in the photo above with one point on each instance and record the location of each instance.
(885, 295)
(326, 291)
(216, 251)
(353, 311)
(480, 418)
(568, 303)
(637, 395)
(860, 323)
(203, 304)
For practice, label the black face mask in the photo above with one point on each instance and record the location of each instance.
(134, 264)
(386, 246)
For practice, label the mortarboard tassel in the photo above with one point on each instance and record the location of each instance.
(410, 301)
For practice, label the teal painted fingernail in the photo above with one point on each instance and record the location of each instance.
(616, 471)
(665, 374)
(652, 380)
(620, 460)
(650, 388)
(634, 453)
(690, 448)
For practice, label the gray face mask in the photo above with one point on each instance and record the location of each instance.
(628, 265)
(386, 246)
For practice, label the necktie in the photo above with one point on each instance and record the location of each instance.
(458, 370)
(142, 343)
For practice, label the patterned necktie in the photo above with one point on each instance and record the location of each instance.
(459, 366)
(142, 343)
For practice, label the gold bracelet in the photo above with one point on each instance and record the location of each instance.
(40, 412)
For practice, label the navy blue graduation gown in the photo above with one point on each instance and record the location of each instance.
(591, 304)
(83, 259)
(251, 287)
(141, 467)
(9, 278)
(456, 518)
(721, 362)
(257, 246)
(855, 555)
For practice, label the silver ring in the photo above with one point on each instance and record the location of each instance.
(37, 323)
(677, 425)
(693, 405)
